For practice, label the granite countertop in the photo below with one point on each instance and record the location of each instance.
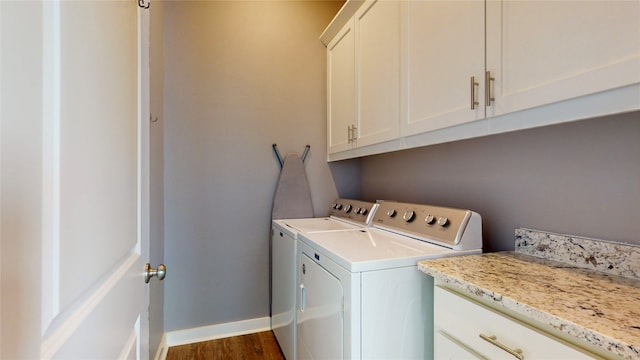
(600, 308)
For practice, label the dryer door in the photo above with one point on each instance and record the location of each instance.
(320, 312)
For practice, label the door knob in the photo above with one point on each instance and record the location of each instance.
(160, 272)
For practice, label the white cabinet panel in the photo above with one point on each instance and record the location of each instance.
(444, 49)
(542, 52)
(341, 89)
(378, 65)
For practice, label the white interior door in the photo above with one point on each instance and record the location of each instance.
(95, 213)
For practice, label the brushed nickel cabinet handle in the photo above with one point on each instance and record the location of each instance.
(349, 134)
(494, 340)
(353, 133)
(474, 97)
(488, 93)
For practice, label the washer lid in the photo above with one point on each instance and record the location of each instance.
(344, 214)
(370, 249)
(297, 226)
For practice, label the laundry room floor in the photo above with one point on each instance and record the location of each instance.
(258, 346)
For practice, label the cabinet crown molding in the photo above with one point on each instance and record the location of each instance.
(344, 14)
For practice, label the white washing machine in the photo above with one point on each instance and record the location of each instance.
(344, 214)
(360, 294)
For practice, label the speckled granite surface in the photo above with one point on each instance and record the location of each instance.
(611, 258)
(596, 307)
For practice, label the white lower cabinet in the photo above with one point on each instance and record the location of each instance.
(465, 329)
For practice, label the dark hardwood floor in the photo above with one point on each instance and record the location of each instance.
(258, 346)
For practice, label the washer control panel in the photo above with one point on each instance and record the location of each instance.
(358, 211)
(440, 225)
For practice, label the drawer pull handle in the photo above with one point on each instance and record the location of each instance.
(493, 340)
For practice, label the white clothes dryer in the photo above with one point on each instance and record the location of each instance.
(360, 294)
(344, 214)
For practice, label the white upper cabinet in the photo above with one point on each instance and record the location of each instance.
(341, 89)
(363, 78)
(377, 25)
(404, 74)
(444, 64)
(541, 52)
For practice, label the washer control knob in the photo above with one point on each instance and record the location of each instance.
(363, 211)
(391, 213)
(408, 215)
(347, 208)
(338, 206)
(430, 219)
(357, 210)
(443, 221)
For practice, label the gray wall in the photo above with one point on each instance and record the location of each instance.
(240, 75)
(580, 178)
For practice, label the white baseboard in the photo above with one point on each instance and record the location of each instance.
(218, 331)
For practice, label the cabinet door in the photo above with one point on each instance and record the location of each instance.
(341, 89)
(444, 48)
(378, 64)
(546, 51)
